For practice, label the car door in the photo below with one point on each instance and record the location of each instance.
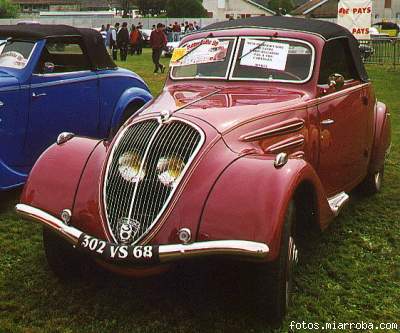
(63, 96)
(344, 121)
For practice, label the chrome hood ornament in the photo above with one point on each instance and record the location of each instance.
(165, 115)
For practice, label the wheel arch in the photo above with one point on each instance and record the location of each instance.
(131, 97)
(382, 138)
(251, 197)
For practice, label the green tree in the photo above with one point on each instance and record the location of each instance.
(185, 8)
(8, 9)
(150, 7)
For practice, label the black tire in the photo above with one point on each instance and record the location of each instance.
(275, 280)
(65, 262)
(372, 184)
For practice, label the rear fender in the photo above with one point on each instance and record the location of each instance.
(54, 179)
(10, 178)
(382, 138)
(131, 95)
(249, 201)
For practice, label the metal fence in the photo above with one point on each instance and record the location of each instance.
(385, 51)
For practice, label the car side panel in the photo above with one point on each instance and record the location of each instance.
(344, 139)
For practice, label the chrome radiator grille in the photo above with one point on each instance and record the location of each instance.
(137, 187)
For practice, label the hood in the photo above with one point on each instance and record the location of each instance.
(226, 106)
(7, 80)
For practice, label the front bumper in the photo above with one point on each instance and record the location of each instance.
(148, 254)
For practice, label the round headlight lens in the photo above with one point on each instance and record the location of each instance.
(129, 167)
(169, 169)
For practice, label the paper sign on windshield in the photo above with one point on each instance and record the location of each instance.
(206, 51)
(268, 55)
(178, 53)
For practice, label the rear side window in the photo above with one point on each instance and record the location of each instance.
(337, 58)
(64, 48)
(67, 55)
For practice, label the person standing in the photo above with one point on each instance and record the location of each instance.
(157, 42)
(103, 33)
(176, 31)
(108, 37)
(123, 41)
(134, 39)
(113, 42)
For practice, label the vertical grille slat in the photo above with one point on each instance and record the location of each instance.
(133, 193)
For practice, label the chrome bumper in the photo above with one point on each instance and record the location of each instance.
(165, 253)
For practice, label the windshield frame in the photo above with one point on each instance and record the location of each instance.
(30, 55)
(235, 55)
(301, 41)
(228, 69)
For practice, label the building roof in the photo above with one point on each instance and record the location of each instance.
(46, 2)
(308, 7)
(93, 42)
(324, 29)
(263, 4)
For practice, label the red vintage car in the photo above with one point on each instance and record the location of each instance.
(239, 154)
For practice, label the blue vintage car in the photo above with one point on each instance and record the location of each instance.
(54, 79)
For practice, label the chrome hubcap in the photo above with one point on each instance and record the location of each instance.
(293, 259)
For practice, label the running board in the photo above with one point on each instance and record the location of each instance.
(337, 202)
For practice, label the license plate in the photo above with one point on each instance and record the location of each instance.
(118, 252)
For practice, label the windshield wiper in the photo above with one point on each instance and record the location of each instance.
(258, 46)
(200, 43)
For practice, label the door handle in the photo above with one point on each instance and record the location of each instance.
(327, 122)
(35, 95)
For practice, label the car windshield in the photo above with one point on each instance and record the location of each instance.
(14, 53)
(202, 58)
(273, 60)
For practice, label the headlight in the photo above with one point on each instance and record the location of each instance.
(169, 169)
(129, 167)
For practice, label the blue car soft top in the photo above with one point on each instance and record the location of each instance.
(92, 40)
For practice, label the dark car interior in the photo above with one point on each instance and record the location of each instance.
(66, 54)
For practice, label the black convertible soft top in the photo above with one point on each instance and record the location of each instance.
(324, 29)
(92, 40)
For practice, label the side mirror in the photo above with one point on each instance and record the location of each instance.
(48, 68)
(336, 81)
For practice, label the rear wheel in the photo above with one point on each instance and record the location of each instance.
(61, 257)
(275, 280)
(372, 184)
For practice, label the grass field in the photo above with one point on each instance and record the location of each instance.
(350, 273)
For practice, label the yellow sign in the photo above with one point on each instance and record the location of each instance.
(178, 53)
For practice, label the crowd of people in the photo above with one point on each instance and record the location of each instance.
(120, 38)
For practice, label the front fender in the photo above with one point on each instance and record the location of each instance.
(54, 179)
(250, 199)
(131, 95)
(382, 138)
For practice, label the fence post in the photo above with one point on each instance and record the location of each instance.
(394, 52)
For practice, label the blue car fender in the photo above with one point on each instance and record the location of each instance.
(129, 96)
(10, 178)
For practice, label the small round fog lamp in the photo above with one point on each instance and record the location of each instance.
(184, 235)
(66, 216)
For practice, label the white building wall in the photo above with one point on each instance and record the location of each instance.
(380, 12)
(235, 8)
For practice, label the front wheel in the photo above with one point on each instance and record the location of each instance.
(372, 184)
(62, 259)
(275, 280)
